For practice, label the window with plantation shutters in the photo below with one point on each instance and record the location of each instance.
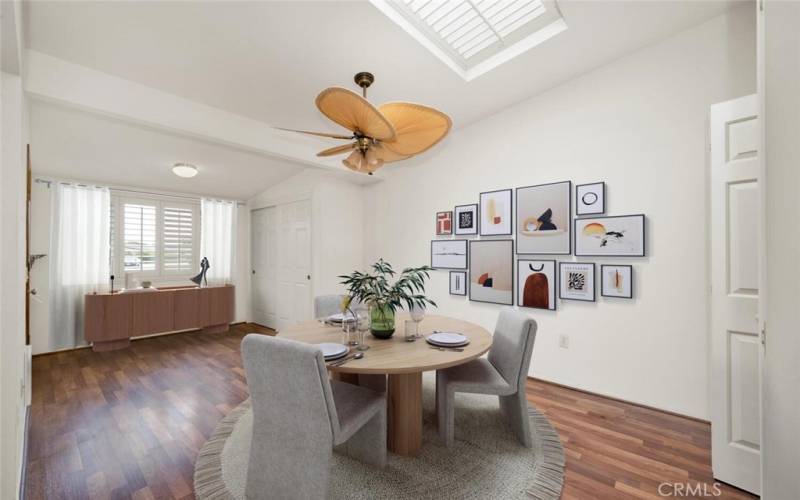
(139, 237)
(178, 238)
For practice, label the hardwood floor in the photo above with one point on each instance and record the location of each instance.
(129, 424)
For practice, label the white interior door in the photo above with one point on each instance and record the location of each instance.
(264, 258)
(736, 352)
(294, 263)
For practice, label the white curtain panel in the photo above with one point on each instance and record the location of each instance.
(79, 257)
(218, 239)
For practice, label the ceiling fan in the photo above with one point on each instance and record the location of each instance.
(391, 132)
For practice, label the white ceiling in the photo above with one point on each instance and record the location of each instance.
(268, 60)
(71, 144)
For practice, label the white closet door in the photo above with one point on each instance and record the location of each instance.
(294, 263)
(264, 257)
(736, 352)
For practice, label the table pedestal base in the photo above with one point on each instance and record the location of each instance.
(404, 397)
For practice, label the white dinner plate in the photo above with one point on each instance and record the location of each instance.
(339, 317)
(331, 350)
(447, 345)
(447, 338)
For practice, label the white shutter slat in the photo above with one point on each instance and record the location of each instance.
(178, 239)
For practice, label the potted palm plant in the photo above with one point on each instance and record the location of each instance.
(384, 298)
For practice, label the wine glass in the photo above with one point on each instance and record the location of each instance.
(362, 324)
(417, 313)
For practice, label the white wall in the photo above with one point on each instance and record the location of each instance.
(640, 125)
(779, 82)
(40, 278)
(337, 225)
(13, 354)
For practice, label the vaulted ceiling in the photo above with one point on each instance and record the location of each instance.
(268, 60)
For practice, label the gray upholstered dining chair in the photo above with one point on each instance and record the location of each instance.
(327, 305)
(503, 373)
(299, 416)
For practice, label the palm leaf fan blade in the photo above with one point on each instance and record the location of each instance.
(418, 128)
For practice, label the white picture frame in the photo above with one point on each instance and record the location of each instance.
(576, 281)
(536, 284)
(544, 215)
(465, 219)
(590, 199)
(458, 283)
(495, 213)
(616, 281)
(610, 236)
(449, 254)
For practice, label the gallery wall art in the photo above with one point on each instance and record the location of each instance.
(590, 199)
(610, 236)
(543, 219)
(616, 281)
(536, 284)
(444, 223)
(576, 281)
(449, 254)
(495, 211)
(491, 271)
(466, 219)
(458, 282)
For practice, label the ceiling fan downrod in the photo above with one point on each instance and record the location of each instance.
(364, 79)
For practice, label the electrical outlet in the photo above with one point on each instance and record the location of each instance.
(563, 341)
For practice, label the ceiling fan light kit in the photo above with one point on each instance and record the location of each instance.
(392, 132)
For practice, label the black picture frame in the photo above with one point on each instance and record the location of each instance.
(603, 279)
(594, 280)
(555, 284)
(451, 223)
(511, 257)
(644, 235)
(569, 218)
(578, 198)
(466, 283)
(466, 253)
(477, 220)
(510, 212)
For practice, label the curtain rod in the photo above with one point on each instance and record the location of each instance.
(123, 190)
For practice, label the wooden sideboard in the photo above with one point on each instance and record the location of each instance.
(112, 319)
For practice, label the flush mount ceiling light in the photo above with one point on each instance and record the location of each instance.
(475, 36)
(186, 170)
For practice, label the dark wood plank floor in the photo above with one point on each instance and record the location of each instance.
(129, 424)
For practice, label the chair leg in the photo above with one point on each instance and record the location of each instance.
(445, 412)
(368, 445)
(515, 411)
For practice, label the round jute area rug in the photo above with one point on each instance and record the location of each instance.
(486, 460)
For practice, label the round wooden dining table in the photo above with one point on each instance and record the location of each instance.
(402, 362)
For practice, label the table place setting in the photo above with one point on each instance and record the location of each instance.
(447, 341)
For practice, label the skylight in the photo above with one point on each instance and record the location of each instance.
(475, 36)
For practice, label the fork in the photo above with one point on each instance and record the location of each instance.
(457, 349)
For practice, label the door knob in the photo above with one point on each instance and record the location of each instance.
(308, 276)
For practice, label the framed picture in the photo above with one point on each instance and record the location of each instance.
(576, 280)
(449, 254)
(590, 199)
(616, 281)
(495, 210)
(466, 219)
(543, 219)
(458, 282)
(610, 236)
(491, 271)
(536, 284)
(444, 223)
